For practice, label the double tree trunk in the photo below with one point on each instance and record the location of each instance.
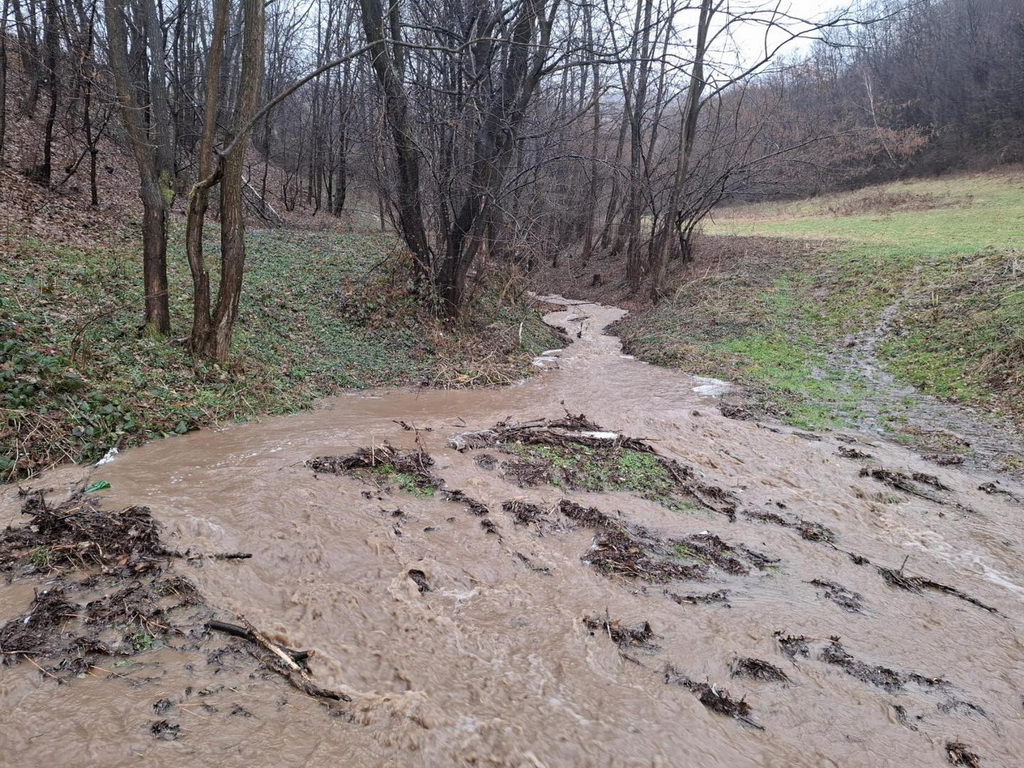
(210, 172)
(212, 332)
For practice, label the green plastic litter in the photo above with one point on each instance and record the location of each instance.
(101, 485)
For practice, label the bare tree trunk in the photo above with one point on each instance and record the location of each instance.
(156, 181)
(29, 48)
(199, 197)
(232, 231)
(389, 66)
(50, 44)
(3, 82)
(629, 228)
(687, 136)
(588, 233)
(91, 137)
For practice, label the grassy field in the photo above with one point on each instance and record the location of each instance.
(928, 275)
(321, 312)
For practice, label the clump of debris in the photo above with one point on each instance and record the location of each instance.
(106, 590)
(845, 598)
(624, 549)
(756, 669)
(713, 697)
(626, 637)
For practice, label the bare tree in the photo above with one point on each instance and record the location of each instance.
(212, 331)
(3, 79)
(151, 139)
(474, 85)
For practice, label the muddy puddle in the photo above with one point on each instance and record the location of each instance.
(592, 568)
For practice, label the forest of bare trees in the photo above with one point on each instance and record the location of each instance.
(499, 131)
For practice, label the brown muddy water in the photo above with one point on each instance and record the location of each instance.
(881, 627)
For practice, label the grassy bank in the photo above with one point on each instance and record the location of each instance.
(321, 312)
(928, 277)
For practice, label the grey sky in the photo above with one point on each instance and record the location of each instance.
(750, 38)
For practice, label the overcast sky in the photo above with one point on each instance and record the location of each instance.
(751, 37)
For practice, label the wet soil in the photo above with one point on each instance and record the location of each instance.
(464, 617)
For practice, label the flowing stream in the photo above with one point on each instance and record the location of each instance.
(494, 665)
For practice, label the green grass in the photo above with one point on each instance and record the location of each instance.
(320, 312)
(815, 393)
(417, 485)
(599, 469)
(944, 256)
(958, 214)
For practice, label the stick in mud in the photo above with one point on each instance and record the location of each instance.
(918, 584)
(288, 668)
(236, 631)
(714, 698)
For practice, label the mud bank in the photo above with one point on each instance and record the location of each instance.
(777, 599)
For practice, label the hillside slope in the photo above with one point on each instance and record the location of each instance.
(859, 304)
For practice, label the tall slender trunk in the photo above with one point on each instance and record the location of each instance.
(28, 46)
(50, 44)
(91, 137)
(3, 83)
(687, 136)
(155, 180)
(629, 229)
(389, 66)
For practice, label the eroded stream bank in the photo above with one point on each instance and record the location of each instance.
(748, 595)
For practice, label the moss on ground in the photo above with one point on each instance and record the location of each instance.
(320, 312)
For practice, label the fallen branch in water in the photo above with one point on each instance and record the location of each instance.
(190, 555)
(236, 631)
(282, 660)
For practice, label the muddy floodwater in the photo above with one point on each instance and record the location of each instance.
(807, 600)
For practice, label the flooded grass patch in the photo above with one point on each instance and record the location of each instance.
(387, 467)
(590, 468)
(575, 454)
